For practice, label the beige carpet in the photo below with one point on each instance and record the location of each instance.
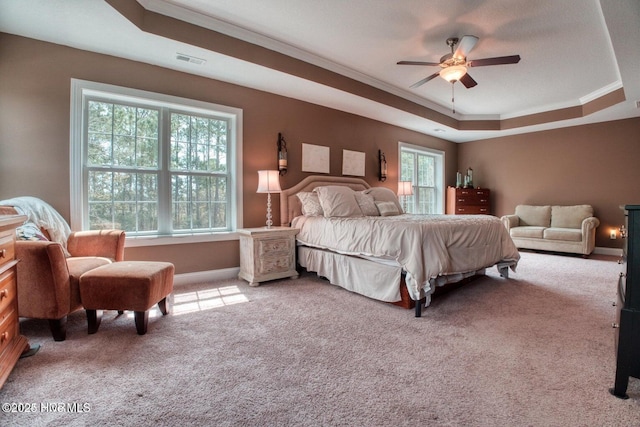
(534, 350)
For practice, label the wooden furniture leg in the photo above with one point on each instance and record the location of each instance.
(58, 328)
(142, 319)
(94, 317)
(165, 306)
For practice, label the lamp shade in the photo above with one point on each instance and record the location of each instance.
(453, 73)
(269, 181)
(405, 188)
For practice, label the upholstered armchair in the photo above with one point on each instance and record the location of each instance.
(48, 273)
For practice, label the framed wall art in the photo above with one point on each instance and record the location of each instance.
(315, 158)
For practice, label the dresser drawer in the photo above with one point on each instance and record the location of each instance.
(7, 289)
(472, 210)
(8, 327)
(472, 197)
(7, 247)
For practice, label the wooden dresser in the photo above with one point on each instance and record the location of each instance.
(468, 201)
(12, 344)
(627, 325)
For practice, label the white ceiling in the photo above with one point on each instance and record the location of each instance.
(573, 51)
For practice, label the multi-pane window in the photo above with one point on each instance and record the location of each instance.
(423, 167)
(155, 169)
(198, 172)
(122, 166)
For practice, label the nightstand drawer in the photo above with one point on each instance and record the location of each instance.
(272, 247)
(268, 265)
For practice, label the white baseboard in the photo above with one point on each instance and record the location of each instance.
(608, 251)
(205, 276)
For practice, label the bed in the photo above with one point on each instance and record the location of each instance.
(374, 249)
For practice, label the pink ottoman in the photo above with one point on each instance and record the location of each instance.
(126, 285)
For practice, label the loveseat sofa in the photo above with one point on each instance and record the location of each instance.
(570, 229)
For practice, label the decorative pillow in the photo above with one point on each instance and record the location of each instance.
(383, 194)
(367, 204)
(310, 203)
(387, 208)
(338, 201)
(30, 231)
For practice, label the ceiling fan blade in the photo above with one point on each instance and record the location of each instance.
(499, 60)
(468, 81)
(417, 63)
(423, 81)
(464, 46)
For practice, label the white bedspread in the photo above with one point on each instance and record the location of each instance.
(426, 246)
(43, 215)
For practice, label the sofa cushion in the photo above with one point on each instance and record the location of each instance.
(528, 231)
(570, 216)
(539, 216)
(566, 234)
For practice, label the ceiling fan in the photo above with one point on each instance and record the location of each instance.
(455, 64)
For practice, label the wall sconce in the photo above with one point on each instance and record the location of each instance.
(282, 155)
(382, 166)
(269, 182)
(405, 188)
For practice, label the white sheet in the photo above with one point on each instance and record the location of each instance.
(426, 246)
(43, 215)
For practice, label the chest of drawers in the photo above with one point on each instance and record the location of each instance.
(468, 201)
(628, 306)
(12, 344)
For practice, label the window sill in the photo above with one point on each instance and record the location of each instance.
(140, 241)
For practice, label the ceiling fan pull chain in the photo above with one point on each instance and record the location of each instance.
(453, 100)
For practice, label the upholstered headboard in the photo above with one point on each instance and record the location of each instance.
(290, 206)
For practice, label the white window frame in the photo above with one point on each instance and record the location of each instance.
(439, 157)
(81, 89)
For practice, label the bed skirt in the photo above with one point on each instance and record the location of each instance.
(380, 281)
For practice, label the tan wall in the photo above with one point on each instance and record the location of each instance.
(593, 164)
(34, 133)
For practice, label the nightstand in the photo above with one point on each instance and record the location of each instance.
(267, 254)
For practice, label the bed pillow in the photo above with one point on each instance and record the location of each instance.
(367, 204)
(338, 201)
(383, 194)
(310, 203)
(387, 208)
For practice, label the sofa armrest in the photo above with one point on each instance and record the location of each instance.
(43, 280)
(102, 243)
(590, 223)
(510, 221)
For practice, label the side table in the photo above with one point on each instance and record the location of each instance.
(267, 254)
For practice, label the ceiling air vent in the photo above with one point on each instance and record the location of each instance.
(189, 58)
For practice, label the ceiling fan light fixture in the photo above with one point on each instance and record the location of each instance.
(453, 73)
